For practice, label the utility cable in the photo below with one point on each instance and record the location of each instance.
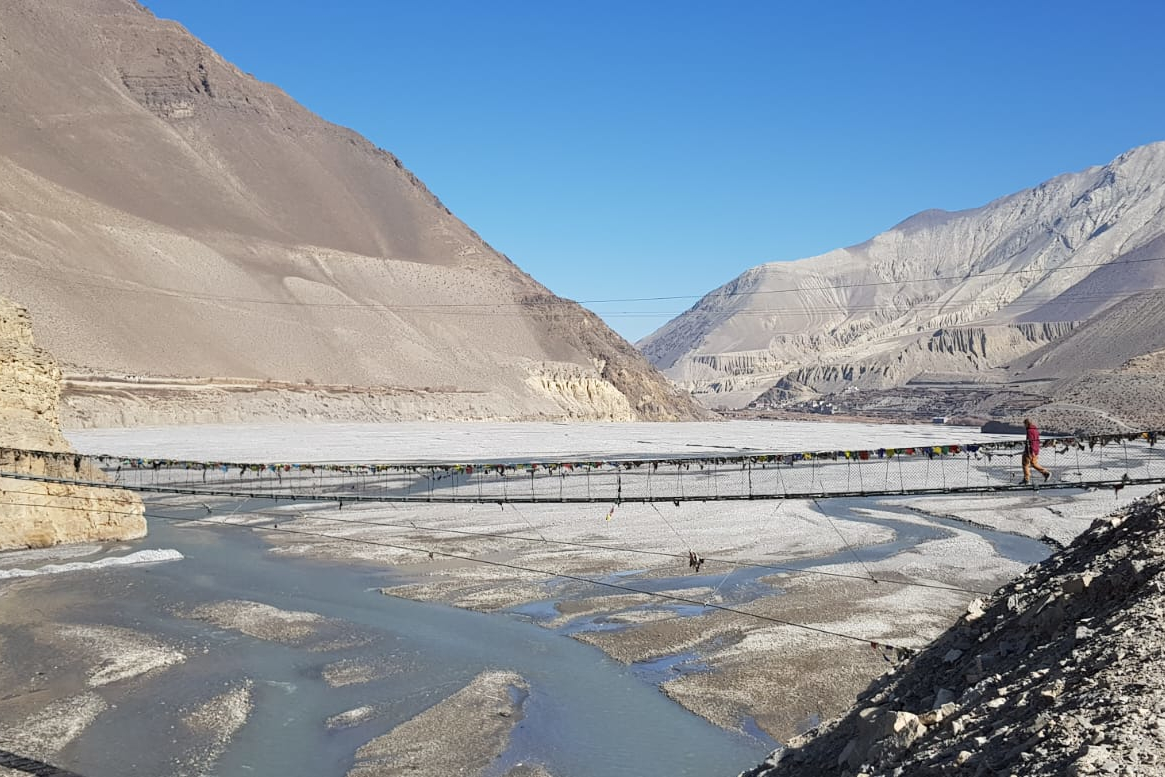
(558, 575)
(551, 300)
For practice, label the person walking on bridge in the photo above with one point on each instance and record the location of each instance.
(1031, 453)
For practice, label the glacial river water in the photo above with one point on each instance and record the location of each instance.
(586, 715)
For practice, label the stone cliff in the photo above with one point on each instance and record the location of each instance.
(36, 514)
(946, 351)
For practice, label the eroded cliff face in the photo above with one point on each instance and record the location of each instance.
(34, 514)
(29, 386)
(580, 392)
(954, 352)
(934, 293)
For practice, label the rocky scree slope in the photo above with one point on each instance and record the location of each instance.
(167, 215)
(36, 514)
(958, 293)
(1061, 672)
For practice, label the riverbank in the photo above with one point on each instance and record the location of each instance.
(316, 631)
(1057, 672)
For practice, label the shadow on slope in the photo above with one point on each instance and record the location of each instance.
(1058, 672)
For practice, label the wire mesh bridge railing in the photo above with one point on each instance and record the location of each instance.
(1098, 461)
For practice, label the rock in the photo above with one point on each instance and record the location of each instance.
(1090, 761)
(1077, 584)
(847, 752)
(1084, 697)
(904, 729)
(952, 656)
(48, 514)
(1053, 690)
(942, 697)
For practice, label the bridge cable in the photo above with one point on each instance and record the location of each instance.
(500, 535)
(845, 542)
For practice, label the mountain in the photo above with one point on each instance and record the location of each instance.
(1014, 291)
(194, 245)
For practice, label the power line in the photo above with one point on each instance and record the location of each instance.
(552, 300)
(864, 284)
(921, 305)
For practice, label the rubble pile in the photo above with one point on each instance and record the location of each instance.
(1059, 672)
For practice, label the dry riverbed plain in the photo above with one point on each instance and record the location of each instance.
(795, 608)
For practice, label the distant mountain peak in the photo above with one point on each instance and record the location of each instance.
(1066, 250)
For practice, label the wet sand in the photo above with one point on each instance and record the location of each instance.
(461, 735)
(750, 671)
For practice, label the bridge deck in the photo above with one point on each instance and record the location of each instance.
(1087, 463)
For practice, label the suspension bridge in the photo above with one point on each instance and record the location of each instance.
(1091, 462)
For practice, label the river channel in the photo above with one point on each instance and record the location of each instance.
(586, 715)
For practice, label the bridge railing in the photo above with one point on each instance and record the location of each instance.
(1096, 461)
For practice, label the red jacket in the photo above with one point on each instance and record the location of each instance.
(1033, 441)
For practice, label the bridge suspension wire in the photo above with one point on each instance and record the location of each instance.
(669, 525)
(904, 651)
(845, 543)
(498, 535)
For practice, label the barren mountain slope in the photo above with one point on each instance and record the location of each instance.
(939, 293)
(165, 214)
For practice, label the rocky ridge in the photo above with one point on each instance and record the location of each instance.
(1060, 672)
(36, 514)
(1013, 291)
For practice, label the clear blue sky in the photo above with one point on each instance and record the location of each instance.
(619, 149)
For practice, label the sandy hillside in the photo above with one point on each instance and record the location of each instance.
(165, 214)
